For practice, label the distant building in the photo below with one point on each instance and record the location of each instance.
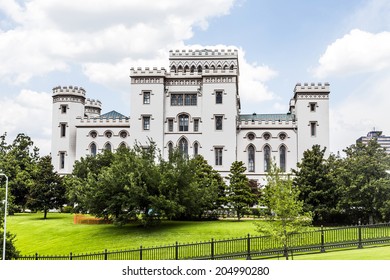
(383, 141)
(195, 106)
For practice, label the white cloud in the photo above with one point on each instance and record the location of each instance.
(356, 52)
(51, 35)
(365, 108)
(29, 113)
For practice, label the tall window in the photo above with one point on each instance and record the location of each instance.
(147, 97)
(313, 129)
(282, 158)
(218, 122)
(146, 122)
(196, 125)
(183, 146)
(170, 125)
(108, 147)
(267, 158)
(93, 149)
(62, 160)
(63, 129)
(196, 149)
(64, 109)
(170, 148)
(251, 159)
(183, 122)
(218, 97)
(218, 156)
(313, 106)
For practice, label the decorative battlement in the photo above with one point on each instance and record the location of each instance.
(73, 90)
(147, 71)
(93, 103)
(312, 87)
(203, 53)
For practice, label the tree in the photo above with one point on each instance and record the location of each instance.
(207, 188)
(48, 191)
(315, 180)
(364, 182)
(239, 193)
(18, 161)
(287, 215)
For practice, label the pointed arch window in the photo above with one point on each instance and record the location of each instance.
(170, 148)
(251, 158)
(183, 146)
(196, 149)
(108, 147)
(199, 69)
(93, 149)
(282, 158)
(267, 158)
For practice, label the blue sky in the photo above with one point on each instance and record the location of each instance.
(93, 44)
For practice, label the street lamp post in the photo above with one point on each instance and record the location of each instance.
(5, 213)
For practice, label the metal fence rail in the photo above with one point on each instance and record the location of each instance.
(246, 247)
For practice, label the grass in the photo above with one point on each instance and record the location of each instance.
(58, 234)
(369, 253)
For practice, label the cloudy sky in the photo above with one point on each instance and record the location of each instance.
(93, 44)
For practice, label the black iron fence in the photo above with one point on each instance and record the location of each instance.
(246, 247)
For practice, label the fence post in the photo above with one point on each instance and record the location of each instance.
(212, 248)
(140, 253)
(322, 240)
(36, 256)
(177, 251)
(248, 247)
(105, 254)
(70, 256)
(360, 246)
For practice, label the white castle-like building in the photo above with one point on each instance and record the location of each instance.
(194, 106)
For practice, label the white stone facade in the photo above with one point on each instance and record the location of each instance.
(195, 106)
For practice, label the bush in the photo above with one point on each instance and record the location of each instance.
(10, 249)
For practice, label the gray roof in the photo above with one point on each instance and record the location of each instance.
(267, 117)
(112, 115)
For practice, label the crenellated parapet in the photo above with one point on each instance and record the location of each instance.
(93, 107)
(311, 90)
(69, 94)
(147, 71)
(252, 121)
(203, 53)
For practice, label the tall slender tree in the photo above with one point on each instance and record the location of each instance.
(239, 193)
(286, 215)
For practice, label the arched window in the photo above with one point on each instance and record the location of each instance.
(199, 69)
(251, 158)
(122, 145)
(192, 69)
(183, 146)
(267, 158)
(196, 149)
(173, 69)
(186, 69)
(93, 149)
(180, 69)
(282, 158)
(108, 147)
(183, 122)
(170, 148)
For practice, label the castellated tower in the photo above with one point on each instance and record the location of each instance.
(310, 105)
(93, 108)
(68, 104)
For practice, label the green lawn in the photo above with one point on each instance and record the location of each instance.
(372, 253)
(58, 234)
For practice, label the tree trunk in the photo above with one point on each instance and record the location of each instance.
(44, 214)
